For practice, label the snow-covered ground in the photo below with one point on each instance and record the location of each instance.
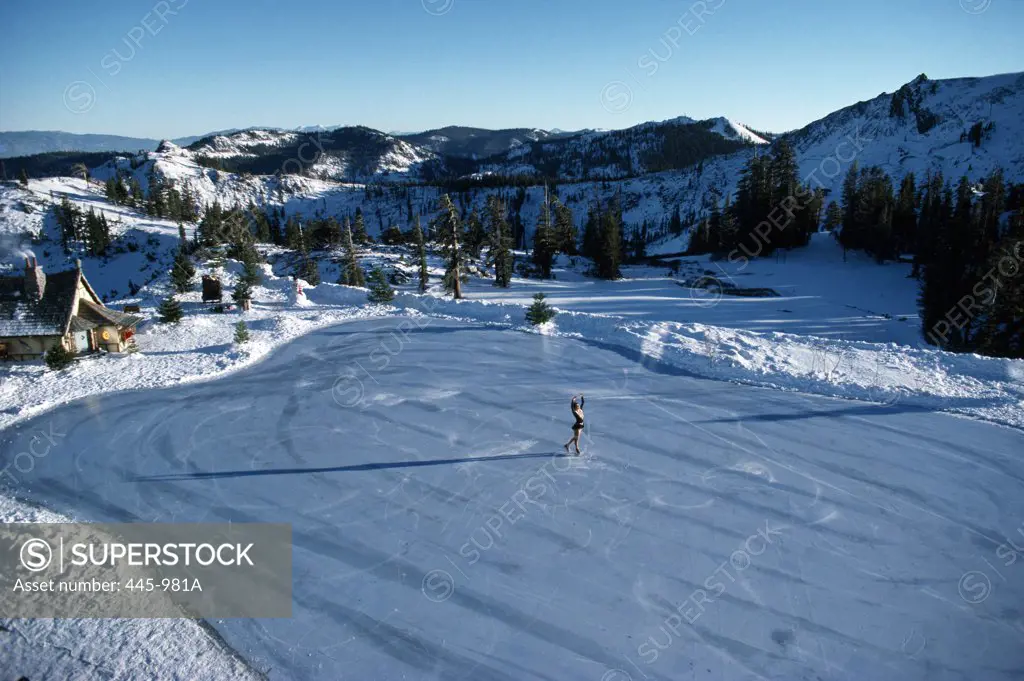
(710, 531)
(683, 453)
(86, 649)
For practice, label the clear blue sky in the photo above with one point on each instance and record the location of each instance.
(416, 64)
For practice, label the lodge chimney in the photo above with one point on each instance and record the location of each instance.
(35, 279)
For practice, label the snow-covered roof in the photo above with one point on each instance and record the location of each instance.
(52, 315)
(49, 316)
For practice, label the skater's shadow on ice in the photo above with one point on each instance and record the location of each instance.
(354, 468)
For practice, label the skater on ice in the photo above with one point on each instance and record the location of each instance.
(577, 428)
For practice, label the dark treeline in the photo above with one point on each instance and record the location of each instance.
(163, 199)
(772, 210)
(966, 241)
(90, 230)
(53, 164)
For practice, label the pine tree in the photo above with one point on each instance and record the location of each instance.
(23, 178)
(110, 190)
(293, 235)
(850, 236)
(421, 252)
(189, 213)
(96, 233)
(252, 271)
(539, 312)
(359, 234)
(137, 199)
(700, 240)
(676, 225)
(69, 220)
(351, 272)
(783, 171)
(728, 232)
(941, 270)
(310, 272)
(499, 252)
(610, 253)
(182, 272)
(156, 203)
(833, 217)
(210, 233)
(565, 228)
(170, 310)
(182, 237)
(475, 235)
(242, 292)
(380, 289)
(592, 232)
(544, 242)
(754, 192)
(121, 190)
(448, 227)
(241, 332)
(904, 217)
(1001, 331)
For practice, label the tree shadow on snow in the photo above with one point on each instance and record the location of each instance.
(860, 409)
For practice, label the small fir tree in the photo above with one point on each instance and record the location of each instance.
(421, 248)
(242, 293)
(310, 272)
(170, 310)
(351, 272)
(499, 251)
(540, 312)
(449, 227)
(380, 289)
(182, 272)
(241, 332)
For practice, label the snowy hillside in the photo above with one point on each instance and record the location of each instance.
(342, 154)
(926, 132)
(648, 147)
(733, 130)
(474, 142)
(242, 143)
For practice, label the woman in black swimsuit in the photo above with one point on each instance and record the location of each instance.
(577, 428)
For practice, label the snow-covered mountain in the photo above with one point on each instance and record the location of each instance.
(610, 154)
(924, 126)
(351, 154)
(656, 168)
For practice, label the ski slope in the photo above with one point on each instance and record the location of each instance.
(439, 533)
